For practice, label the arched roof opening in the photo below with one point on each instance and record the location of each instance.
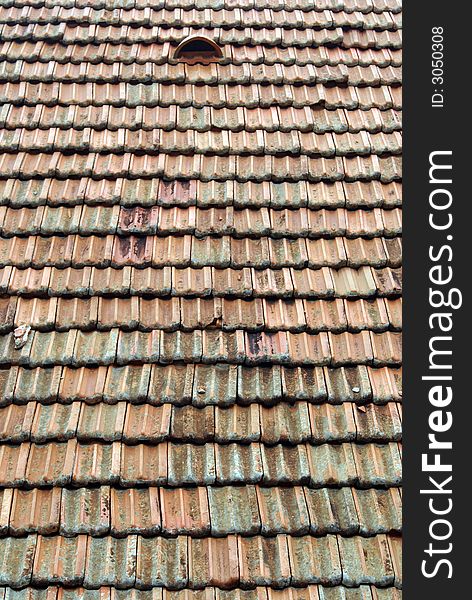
(198, 49)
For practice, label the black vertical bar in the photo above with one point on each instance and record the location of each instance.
(437, 119)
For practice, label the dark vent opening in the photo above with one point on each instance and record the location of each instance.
(198, 50)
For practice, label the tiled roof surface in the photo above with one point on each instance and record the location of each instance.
(200, 301)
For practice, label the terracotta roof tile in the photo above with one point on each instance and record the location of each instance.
(16, 422)
(8, 378)
(111, 561)
(316, 282)
(376, 569)
(205, 570)
(97, 463)
(85, 511)
(319, 551)
(239, 314)
(257, 384)
(349, 282)
(35, 511)
(188, 464)
(331, 511)
(147, 423)
(284, 464)
(272, 282)
(81, 384)
(185, 510)
(137, 346)
(264, 561)
(148, 281)
(377, 464)
(333, 423)
(216, 384)
(164, 563)
(331, 465)
(283, 510)
(172, 383)
(388, 281)
(144, 464)
(52, 553)
(54, 421)
(238, 464)
(135, 511)
(378, 422)
(237, 423)
(102, 422)
(244, 516)
(209, 257)
(264, 347)
(302, 383)
(379, 510)
(387, 348)
(67, 281)
(386, 384)
(17, 560)
(50, 463)
(395, 551)
(348, 384)
(6, 497)
(191, 424)
(285, 423)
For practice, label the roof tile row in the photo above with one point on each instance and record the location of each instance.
(363, 6)
(64, 463)
(283, 37)
(200, 385)
(181, 118)
(207, 281)
(196, 17)
(78, 348)
(199, 142)
(181, 562)
(134, 423)
(245, 73)
(218, 96)
(159, 53)
(174, 118)
(199, 166)
(199, 511)
(188, 251)
(134, 313)
(162, 220)
(184, 193)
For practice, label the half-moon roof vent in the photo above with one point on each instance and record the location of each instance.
(197, 48)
